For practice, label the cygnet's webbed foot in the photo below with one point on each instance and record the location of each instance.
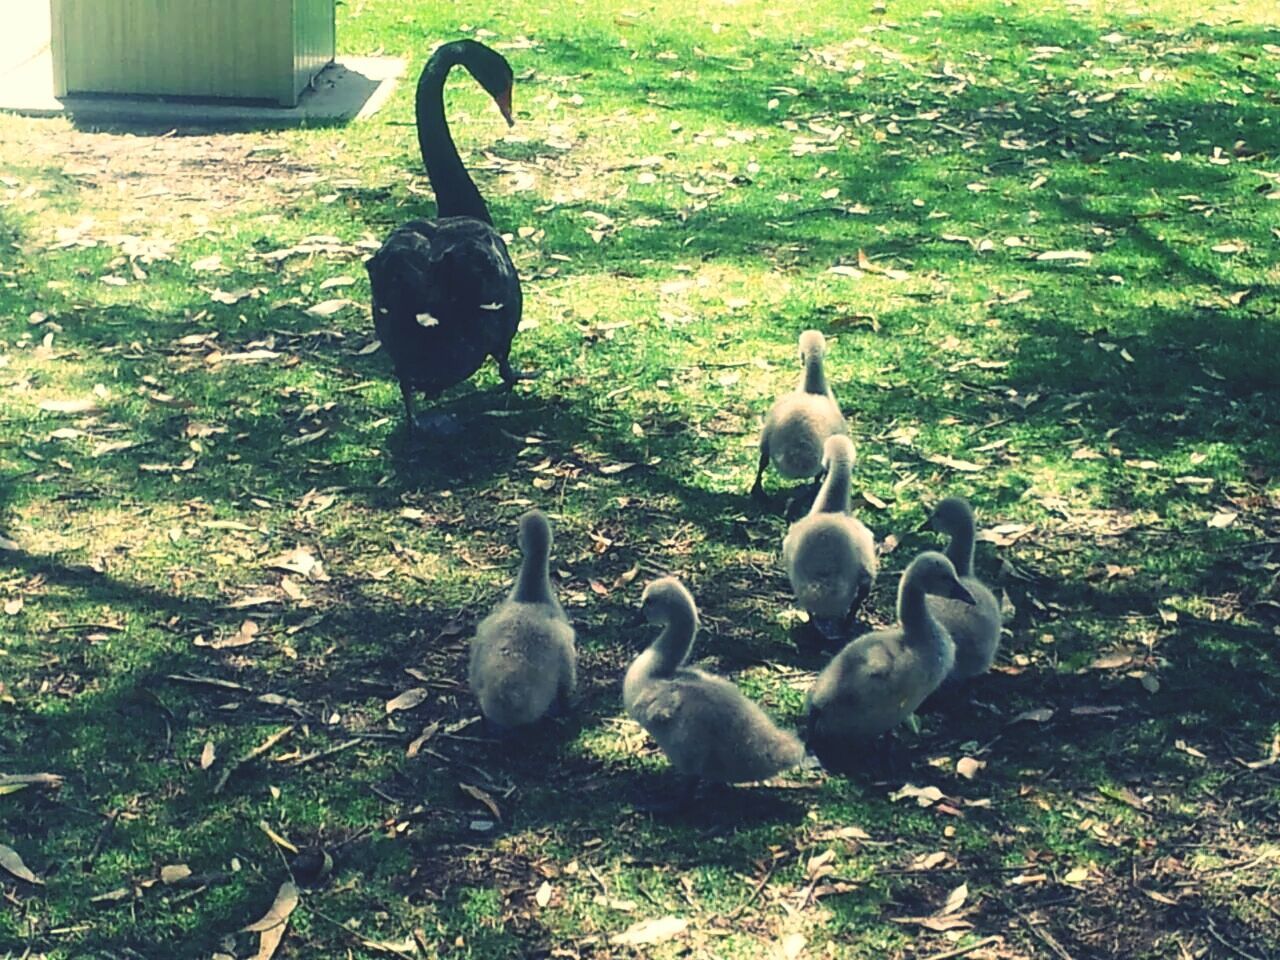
(797, 506)
(854, 624)
(817, 636)
(497, 732)
(436, 426)
(561, 706)
(674, 795)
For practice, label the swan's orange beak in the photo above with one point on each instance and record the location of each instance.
(503, 100)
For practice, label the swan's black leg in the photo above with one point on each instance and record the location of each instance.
(757, 488)
(511, 376)
(406, 392)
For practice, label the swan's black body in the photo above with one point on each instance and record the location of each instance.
(445, 292)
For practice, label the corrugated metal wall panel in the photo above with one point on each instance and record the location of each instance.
(253, 49)
(315, 40)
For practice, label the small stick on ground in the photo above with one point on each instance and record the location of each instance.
(961, 951)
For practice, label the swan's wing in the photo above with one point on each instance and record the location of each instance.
(445, 294)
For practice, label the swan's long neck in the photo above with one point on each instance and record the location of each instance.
(456, 193)
(836, 489)
(533, 582)
(815, 377)
(913, 610)
(960, 549)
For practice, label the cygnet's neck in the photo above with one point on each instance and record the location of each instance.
(836, 489)
(671, 649)
(815, 377)
(960, 550)
(533, 582)
(913, 610)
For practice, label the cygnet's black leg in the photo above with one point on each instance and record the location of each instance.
(757, 488)
(890, 756)
(511, 376)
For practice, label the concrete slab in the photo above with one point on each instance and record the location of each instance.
(350, 89)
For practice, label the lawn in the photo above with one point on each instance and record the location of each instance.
(1042, 240)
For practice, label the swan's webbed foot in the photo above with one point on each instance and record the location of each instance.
(433, 426)
(436, 426)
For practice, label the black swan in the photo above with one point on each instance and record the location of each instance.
(445, 292)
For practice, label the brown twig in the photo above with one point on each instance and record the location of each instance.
(252, 755)
(961, 951)
(755, 891)
(1238, 951)
(1044, 936)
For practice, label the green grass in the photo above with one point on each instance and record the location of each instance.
(679, 185)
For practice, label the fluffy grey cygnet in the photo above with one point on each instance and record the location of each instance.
(829, 555)
(799, 423)
(523, 659)
(702, 722)
(975, 627)
(879, 679)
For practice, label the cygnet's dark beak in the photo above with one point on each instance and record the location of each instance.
(958, 592)
(503, 100)
(637, 618)
(927, 524)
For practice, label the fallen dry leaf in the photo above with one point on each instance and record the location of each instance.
(276, 838)
(955, 900)
(477, 794)
(85, 405)
(10, 861)
(327, 308)
(408, 700)
(1076, 875)
(1042, 715)
(650, 931)
(174, 873)
(791, 946)
(1079, 256)
(923, 796)
(968, 767)
(271, 928)
(964, 466)
(427, 733)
